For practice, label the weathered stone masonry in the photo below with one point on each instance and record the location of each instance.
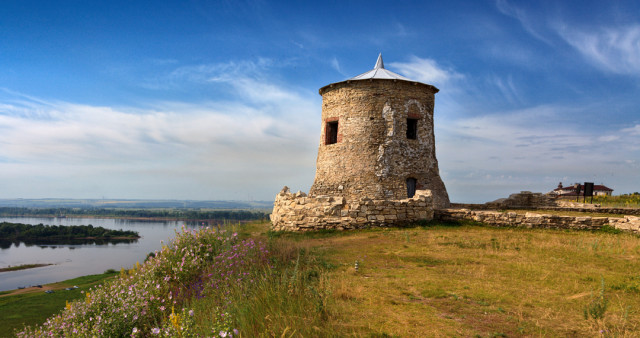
(373, 156)
(293, 212)
(538, 201)
(376, 162)
(487, 214)
(538, 220)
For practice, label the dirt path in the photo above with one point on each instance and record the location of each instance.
(33, 289)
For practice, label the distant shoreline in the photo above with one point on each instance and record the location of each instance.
(107, 217)
(133, 218)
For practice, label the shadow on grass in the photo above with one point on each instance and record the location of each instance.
(441, 223)
(328, 233)
(320, 233)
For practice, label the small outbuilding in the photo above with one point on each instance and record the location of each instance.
(572, 190)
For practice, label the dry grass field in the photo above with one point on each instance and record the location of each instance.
(480, 281)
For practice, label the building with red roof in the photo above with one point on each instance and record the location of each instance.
(572, 190)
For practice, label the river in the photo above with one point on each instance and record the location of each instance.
(70, 261)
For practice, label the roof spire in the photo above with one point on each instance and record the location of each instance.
(379, 63)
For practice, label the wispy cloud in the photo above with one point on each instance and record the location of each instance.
(426, 70)
(401, 30)
(335, 64)
(614, 49)
(506, 87)
(528, 23)
(224, 71)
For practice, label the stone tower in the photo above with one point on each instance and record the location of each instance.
(377, 139)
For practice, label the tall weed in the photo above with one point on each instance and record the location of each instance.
(288, 296)
(143, 301)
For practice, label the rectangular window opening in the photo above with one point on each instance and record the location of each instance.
(412, 129)
(331, 132)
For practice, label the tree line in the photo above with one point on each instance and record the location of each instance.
(23, 232)
(232, 215)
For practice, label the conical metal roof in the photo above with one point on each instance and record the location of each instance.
(379, 72)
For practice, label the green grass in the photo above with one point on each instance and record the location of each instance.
(624, 201)
(19, 310)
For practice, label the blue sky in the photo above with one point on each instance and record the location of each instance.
(219, 99)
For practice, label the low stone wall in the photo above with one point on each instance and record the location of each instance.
(523, 199)
(593, 208)
(299, 212)
(537, 201)
(536, 220)
(600, 210)
(571, 204)
(472, 206)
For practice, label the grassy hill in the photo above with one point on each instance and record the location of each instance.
(435, 280)
(33, 306)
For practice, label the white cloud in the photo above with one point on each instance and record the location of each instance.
(615, 49)
(635, 130)
(85, 134)
(608, 138)
(425, 70)
(205, 150)
(260, 91)
(491, 156)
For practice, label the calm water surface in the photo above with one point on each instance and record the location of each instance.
(72, 261)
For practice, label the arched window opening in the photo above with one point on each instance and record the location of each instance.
(411, 187)
(412, 129)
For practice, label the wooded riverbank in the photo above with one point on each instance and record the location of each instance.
(48, 234)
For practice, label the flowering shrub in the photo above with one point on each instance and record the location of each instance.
(145, 300)
(233, 274)
(237, 265)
